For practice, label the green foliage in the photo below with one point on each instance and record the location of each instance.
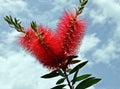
(85, 79)
(81, 6)
(82, 77)
(68, 70)
(51, 74)
(60, 72)
(60, 81)
(75, 75)
(79, 66)
(14, 23)
(59, 87)
(87, 83)
(34, 26)
(83, 2)
(70, 59)
(54, 73)
(76, 61)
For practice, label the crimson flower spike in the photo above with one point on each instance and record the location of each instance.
(71, 30)
(44, 46)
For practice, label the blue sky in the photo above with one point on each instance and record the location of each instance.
(19, 70)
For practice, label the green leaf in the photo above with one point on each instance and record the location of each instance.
(68, 70)
(34, 26)
(51, 74)
(61, 73)
(79, 78)
(75, 75)
(87, 83)
(14, 23)
(70, 59)
(60, 81)
(59, 87)
(84, 3)
(75, 61)
(7, 19)
(78, 67)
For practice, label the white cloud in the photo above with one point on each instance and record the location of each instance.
(21, 71)
(97, 17)
(12, 6)
(89, 42)
(107, 10)
(50, 18)
(10, 37)
(110, 50)
(106, 53)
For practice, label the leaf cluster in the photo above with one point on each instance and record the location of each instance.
(14, 23)
(78, 81)
(81, 6)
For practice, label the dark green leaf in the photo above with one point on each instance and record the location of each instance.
(78, 67)
(81, 77)
(87, 83)
(51, 74)
(81, 8)
(75, 75)
(59, 87)
(70, 59)
(75, 61)
(84, 3)
(7, 19)
(68, 70)
(14, 23)
(80, 1)
(61, 73)
(60, 81)
(34, 26)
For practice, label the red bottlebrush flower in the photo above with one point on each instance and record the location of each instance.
(46, 48)
(70, 30)
(53, 50)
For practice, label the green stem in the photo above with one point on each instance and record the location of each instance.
(68, 81)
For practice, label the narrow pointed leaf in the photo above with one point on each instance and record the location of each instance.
(34, 26)
(75, 61)
(87, 83)
(82, 77)
(59, 87)
(79, 66)
(75, 75)
(84, 3)
(70, 59)
(60, 81)
(61, 73)
(16, 21)
(68, 70)
(51, 74)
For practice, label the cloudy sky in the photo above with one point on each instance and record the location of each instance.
(101, 44)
